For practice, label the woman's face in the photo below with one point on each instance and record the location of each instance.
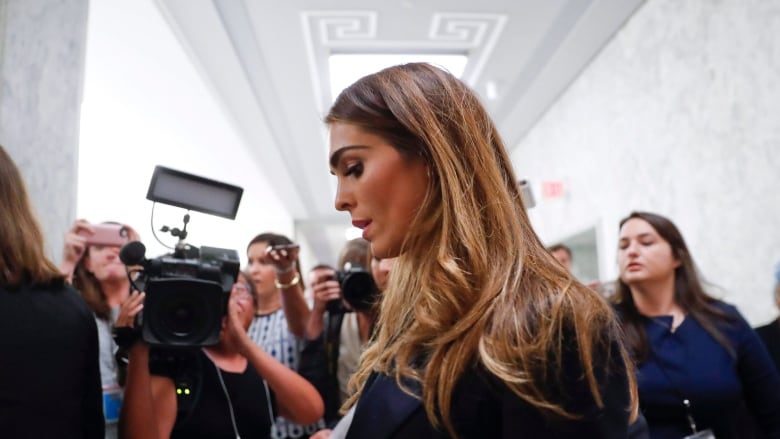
(643, 255)
(380, 189)
(261, 270)
(103, 262)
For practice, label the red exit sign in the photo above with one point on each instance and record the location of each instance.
(553, 189)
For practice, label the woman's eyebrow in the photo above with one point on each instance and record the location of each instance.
(334, 159)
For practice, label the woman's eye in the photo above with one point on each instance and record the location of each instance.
(354, 170)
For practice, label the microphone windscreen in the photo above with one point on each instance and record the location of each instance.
(133, 253)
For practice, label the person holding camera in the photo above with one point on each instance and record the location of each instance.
(340, 324)
(238, 387)
(91, 262)
(699, 362)
(49, 373)
(481, 333)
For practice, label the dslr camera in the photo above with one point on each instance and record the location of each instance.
(186, 293)
(358, 289)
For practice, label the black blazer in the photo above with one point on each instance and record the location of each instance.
(770, 335)
(483, 407)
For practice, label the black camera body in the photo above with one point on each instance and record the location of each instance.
(186, 293)
(358, 289)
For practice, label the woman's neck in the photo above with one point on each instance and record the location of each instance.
(365, 320)
(656, 298)
(225, 357)
(268, 303)
(115, 291)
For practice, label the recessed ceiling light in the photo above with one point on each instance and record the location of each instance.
(347, 68)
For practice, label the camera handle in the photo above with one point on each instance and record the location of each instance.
(181, 234)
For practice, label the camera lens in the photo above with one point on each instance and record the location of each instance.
(182, 315)
(359, 290)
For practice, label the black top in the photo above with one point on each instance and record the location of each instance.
(207, 415)
(49, 371)
(483, 407)
(319, 365)
(770, 335)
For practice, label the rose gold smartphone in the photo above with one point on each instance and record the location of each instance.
(107, 234)
(285, 247)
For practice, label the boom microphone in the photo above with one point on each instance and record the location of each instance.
(133, 253)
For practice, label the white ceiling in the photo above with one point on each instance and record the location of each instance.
(266, 63)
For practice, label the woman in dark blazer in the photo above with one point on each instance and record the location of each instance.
(481, 333)
(49, 375)
(699, 362)
(770, 333)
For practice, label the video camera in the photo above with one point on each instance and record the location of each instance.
(358, 289)
(187, 291)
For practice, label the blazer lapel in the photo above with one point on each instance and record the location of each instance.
(382, 408)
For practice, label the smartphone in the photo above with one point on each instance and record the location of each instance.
(107, 234)
(284, 247)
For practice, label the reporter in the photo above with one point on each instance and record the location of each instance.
(337, 335)
(699, 362)
(242, 386)
(282, 311)
(49, 376)
(97, 273)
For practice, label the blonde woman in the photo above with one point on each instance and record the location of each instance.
(481, 332)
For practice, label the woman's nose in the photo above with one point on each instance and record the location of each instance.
(343, 200)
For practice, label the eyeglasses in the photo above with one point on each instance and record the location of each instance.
(242, 291)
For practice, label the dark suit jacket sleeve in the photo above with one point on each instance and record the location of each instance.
(760, 379)
(606, 422)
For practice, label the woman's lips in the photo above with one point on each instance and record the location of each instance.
(361, 224)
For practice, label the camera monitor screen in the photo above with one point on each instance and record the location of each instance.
(192, 192)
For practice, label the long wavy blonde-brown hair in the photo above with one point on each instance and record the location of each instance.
(483, 289)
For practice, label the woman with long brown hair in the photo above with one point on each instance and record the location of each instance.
(49, 376)
(699, 362)
(95, 270)
(481, 333)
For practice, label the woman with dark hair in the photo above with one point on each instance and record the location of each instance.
(699, 361)
(481, 333)
(238, 388)
(49, 376)
(95, 270)
(280, 319)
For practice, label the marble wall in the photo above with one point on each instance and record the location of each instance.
(677, 115)
(42, 52)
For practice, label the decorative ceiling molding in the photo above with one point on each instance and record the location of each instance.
(329, 32)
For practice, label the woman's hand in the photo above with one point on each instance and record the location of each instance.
(129, 309)
(238, 306)
(283, 257)
(75, 246)
(324, 288)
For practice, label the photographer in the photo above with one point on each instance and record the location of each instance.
(241, 388)
(49, 376)
(93, 267)
(341, 322)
